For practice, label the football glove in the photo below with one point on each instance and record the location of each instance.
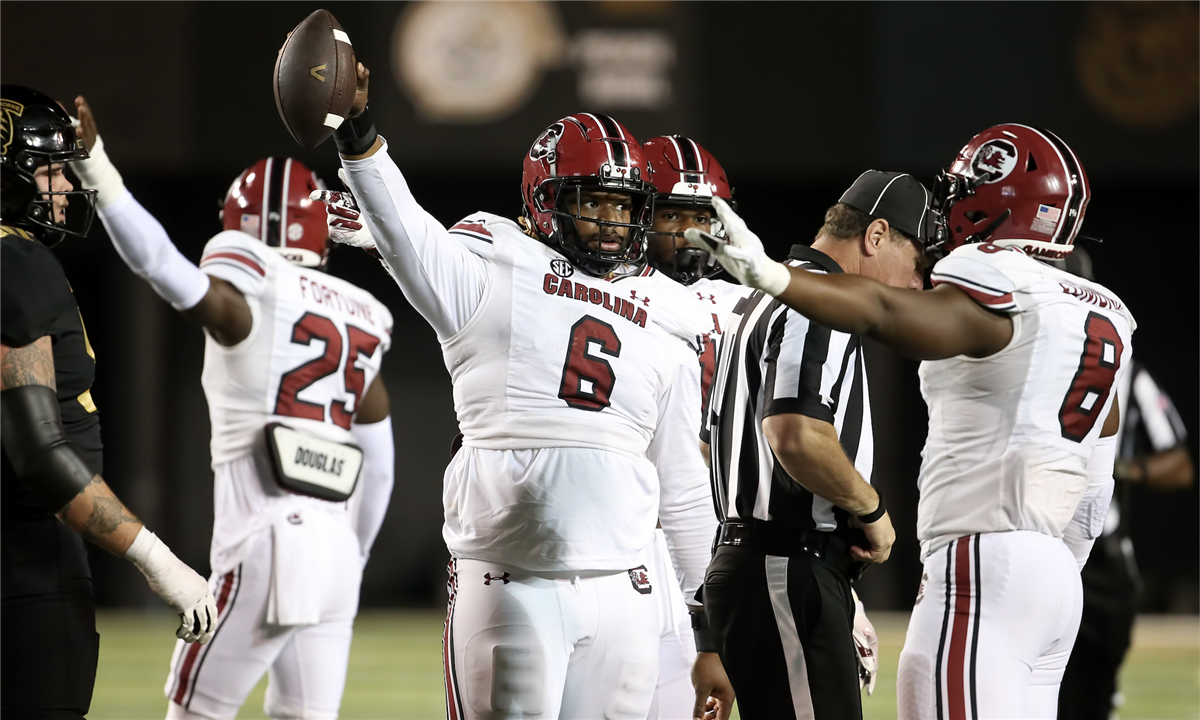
(178, 585)
(343, 217)
(866, 642)
(741, 252)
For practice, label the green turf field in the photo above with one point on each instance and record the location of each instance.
(395, 668)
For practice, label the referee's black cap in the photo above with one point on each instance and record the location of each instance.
(896, 197)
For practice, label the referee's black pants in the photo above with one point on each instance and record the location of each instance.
(784, 626)
(1105, 631)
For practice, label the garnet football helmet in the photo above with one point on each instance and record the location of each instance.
(1012, 185)
(684, 173)
(293, 225)
(35, 132)
(581, 152)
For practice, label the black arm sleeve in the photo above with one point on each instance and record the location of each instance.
(33, 291)
(32, 432)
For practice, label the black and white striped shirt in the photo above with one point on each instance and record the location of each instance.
(776, 361)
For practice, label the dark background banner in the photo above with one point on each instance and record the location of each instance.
(794, 99)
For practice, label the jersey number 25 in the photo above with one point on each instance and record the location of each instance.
(315, 327)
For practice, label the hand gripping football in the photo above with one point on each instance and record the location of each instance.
(315, 79)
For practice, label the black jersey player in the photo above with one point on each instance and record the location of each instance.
(52, 454)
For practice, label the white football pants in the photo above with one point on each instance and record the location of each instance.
(674, 695)
(306, 663)
(992, 629)
(575, 646)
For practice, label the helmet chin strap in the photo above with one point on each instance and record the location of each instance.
(984, 234)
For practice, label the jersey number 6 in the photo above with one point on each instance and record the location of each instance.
(588, 380)
(1094, 380)
(315, 327)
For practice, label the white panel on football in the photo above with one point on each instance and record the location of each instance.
(341, 36)
(333, 121)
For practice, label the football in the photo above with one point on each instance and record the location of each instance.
(315, 78)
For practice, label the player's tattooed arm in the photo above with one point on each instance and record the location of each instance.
(29, 365)
(223, 312)
(101, 518)
(95, 512)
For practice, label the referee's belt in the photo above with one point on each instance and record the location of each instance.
(769, 539)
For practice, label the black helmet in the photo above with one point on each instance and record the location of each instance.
(34, 132)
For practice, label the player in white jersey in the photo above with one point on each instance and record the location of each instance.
(1022, 367)
(573, 379)
(686, 177)
(302, 447)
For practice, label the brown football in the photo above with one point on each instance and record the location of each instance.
(315, 78)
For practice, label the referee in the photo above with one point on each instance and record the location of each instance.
(790, 444)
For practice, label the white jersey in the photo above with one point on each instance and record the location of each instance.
(315, 347)
(1010, 435)
(568, 388)
(561, 358)
(717, 299)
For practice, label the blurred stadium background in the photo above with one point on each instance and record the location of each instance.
(795, 99)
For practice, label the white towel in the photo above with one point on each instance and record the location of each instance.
(303, 561)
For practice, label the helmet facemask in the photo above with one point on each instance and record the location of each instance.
(949, 188)
(564, 198)
(688, 263)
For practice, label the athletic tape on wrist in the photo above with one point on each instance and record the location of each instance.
(139, 549)
(98, 173)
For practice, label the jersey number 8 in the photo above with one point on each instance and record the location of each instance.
(1094, 380)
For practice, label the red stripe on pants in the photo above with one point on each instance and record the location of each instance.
(448, 650)
(956, 667)
(193, 651)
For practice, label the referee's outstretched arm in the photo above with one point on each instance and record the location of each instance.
(811, 453)
(35, 443)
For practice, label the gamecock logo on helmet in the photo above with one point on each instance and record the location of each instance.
(994, 160)
(546, 143)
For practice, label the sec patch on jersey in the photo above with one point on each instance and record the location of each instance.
(315, 78)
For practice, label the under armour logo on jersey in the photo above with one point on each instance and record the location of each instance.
(487, 578)
(711, 298)
(633, 294)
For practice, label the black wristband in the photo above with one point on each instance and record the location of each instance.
(877, 513)
(705, 636)
(355, 135)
